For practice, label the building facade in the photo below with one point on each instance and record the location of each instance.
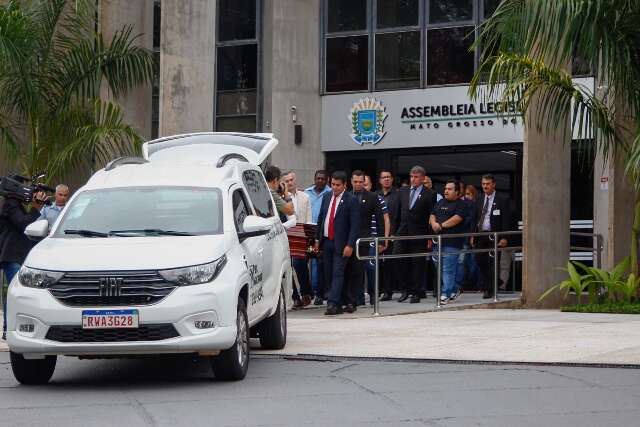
(347, 84)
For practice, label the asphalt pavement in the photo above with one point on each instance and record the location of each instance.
(277, 392)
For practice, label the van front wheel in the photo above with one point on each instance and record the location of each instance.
(32, 371)
(232, 364)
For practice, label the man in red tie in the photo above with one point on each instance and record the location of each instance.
(336, 234)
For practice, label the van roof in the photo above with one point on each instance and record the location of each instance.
(165, 174)
(210, 147)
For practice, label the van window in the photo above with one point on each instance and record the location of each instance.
(258, 193)
(240, 210)
(190, 210)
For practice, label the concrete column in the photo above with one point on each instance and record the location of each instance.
(291, 63)
(114, 15)
(546, 186)
(613, 207)
(187, 66)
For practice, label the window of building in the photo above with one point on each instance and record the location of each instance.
(347, 63)
(441, 11)
(347, 15)
(398, 60)
(449, 60)
(397, 13)
(238, 65)
(258, 193)
(400, 44)
(490, 6)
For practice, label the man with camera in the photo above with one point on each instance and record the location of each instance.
(14, 244)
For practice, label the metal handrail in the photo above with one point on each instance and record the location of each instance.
(438, 239)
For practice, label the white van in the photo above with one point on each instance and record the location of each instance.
(181, 251)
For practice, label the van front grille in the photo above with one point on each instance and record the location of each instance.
(111, 288)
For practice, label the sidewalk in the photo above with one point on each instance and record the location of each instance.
(538, 336)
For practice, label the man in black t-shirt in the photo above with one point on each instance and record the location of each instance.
(448, 218)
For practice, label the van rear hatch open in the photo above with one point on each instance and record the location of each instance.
(211, 147)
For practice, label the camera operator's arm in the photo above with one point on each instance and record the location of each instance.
(16, 216)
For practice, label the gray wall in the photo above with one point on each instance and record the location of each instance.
(114, 15)
(187, 66)
(291, 43)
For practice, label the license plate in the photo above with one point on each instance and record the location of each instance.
(109, 319)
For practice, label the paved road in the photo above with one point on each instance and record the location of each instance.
(181, 392)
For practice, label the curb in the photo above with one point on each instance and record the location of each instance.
(325, 358)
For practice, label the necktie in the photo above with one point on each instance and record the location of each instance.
(485, 208)
(412, 198)
(332, 216)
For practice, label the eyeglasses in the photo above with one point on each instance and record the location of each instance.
(385, 177)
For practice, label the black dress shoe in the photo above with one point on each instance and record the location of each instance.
(487, 295)
(332, 310)
(385, 297)
(350, 308)
(414, 299)
(403, 296)
(422, 294)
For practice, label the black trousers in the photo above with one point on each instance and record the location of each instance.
(354, 281)
(389, 271)
(413, 270)
(485, 263)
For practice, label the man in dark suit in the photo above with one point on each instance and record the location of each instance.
(389, 268)
(369, 207)
(336, 233)
(416, 204)
(494, 214)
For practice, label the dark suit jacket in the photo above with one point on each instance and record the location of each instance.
(346, 224)
(14, 245)
(369, 206)
(415, 221)
(500, 213)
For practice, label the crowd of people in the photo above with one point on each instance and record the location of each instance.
(345, 209)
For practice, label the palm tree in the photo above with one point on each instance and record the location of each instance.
(526, 47)
(53, 67)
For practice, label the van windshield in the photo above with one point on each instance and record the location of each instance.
(139, 211)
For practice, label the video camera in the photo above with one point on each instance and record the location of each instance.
(24, 188)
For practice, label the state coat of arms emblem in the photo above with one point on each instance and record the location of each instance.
(367, 118)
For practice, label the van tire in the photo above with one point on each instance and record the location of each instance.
(272, 331)
(32, 371)
(232, 364)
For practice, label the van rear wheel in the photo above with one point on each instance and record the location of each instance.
(32, 371)
(272, 331)
(232, 364)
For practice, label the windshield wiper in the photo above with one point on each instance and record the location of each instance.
(156, 231)
(86, 233)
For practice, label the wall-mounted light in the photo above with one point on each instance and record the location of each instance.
(294, 115)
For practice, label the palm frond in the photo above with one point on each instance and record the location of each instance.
(561, 104)
(100, 135)
(123, 65)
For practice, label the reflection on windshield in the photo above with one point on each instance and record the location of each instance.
(157, 211)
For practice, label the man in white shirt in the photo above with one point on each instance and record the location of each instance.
(302, 209)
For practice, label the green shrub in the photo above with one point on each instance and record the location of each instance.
(609, 307)
(602, 285)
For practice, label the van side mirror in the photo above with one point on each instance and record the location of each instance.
(254, 226)
(37, 230)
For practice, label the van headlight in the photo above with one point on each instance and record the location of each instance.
(34, 278)
(196, 274)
